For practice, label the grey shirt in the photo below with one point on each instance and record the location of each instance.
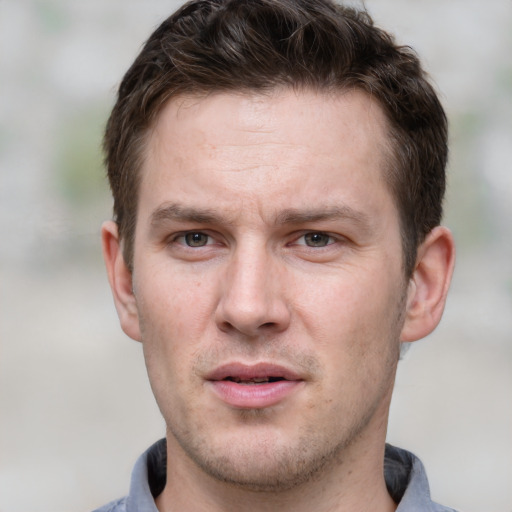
(404, 473)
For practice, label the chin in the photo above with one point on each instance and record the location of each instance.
(268, 475)
(265, 463)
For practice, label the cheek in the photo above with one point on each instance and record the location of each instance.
(353, 322)
(171, 319)
(340, 307)
(168, 347)
(173, 302)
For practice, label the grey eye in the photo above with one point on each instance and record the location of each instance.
(317, 239)
(196, 239)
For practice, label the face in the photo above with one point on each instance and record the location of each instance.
(268, 282)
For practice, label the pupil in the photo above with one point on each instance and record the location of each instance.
(316, 239)
(195, 239)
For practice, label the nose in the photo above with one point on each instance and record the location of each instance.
(253, 295)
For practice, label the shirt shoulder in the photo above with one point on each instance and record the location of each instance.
(114, 506)
(407, 482)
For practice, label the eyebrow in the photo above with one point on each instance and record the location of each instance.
(289, 216)
(329, 213)
(177, 212)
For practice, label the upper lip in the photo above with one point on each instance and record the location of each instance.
(242, 371)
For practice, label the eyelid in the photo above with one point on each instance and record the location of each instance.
(297, 239)
(301, 236)
(179, 238)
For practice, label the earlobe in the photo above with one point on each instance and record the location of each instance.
(120, 279)
(428, 286)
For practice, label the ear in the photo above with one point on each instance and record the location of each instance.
(428, 285)
(120, 279)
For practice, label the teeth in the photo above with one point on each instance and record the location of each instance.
(256, 380)
(261, 379)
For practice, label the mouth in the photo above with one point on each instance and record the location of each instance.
(256, 380)
(253, 386)
(260, 373)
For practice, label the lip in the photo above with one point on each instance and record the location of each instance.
(225, 383)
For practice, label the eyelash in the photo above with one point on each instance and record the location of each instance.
(325, 237)
(181, 239)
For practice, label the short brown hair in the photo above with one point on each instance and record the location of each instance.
(257, 45)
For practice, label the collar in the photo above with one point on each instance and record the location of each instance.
(404, 473)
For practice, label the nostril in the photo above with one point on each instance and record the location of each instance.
(226, 326)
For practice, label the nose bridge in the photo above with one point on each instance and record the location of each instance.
(253, 299)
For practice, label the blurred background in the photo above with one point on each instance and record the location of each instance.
(75, 406)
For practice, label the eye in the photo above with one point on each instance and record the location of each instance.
(317, 239)
(196, 239)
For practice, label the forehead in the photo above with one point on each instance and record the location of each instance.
(266, 146)
(278, 112)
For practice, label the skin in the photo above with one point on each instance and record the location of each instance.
(267, 234)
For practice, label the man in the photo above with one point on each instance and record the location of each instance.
(278, 168)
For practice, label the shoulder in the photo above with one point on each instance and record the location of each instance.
(114, 506)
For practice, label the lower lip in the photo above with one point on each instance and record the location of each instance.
(254, 396)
